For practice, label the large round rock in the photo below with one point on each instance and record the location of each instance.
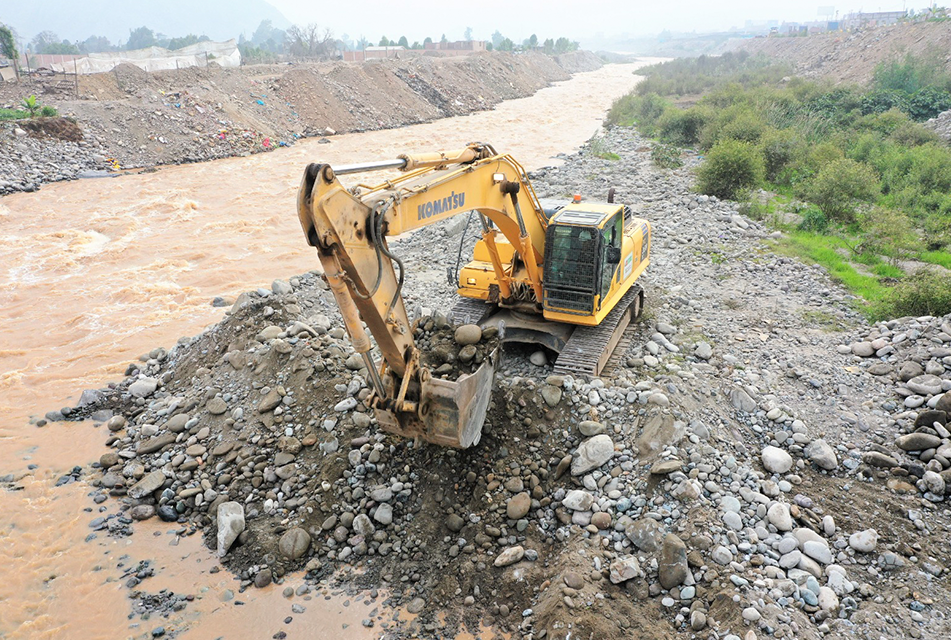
(775, 460)
(468, 334)
(294, 543)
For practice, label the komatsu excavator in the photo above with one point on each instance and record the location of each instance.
(562, 275)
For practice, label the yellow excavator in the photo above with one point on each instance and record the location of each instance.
(561, 275)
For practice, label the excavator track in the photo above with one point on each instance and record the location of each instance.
(589, 349)
(468, 311)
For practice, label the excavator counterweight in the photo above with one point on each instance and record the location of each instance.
(560, 275)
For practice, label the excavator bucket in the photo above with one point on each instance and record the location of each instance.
(451, 413)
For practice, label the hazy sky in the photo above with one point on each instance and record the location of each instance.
(518, 19)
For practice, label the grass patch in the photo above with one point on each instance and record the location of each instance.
(940, 258)
(13, 114)
(609, 155)
(821, 250)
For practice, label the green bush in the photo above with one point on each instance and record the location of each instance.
(731, 168)
(813, 220)
(839, 185)
(683, 127)
(665, 156)
(927, 292)
(912, 73)
(889, 233)
(48, 112)
(779, 148)
(927, 103)
(911, 134)
(643, 111)
(884, 100)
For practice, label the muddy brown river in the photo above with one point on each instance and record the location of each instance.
(96, 272)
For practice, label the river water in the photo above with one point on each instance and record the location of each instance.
(96, 272)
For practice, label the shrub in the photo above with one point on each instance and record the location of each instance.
(838, 185)
(730, 168)
(813, 220)
(928, 103)
(644, 111)
(31, 106)
(911, 134)
(889, 233)
(882, 101)
(683, 126)
(779, 148)
(666, 157)
(912, 73)
(48, 112)
(926, 292)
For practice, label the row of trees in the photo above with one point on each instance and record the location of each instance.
(47, 42)
(267, 42)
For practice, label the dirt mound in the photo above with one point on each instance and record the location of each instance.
(852, 57)
(58, 128)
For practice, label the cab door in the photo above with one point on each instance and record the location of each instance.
(611, 238)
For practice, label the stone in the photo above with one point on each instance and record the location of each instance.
(928, 417)
(778, 515)
(917, 441)
(601, 519)
(578, 500)
(468, 334)
(142, 511)
(176, 424)
(877, 459)
(455, 523)
(733, 520)
(818, 551)
(821, 454)
(910, 370)
(775, 460)
(591, 454)
(280, 287)
(143, 387)
(294, 543)
(751, 615)
(550, 394)
(363, 526)
(926, 385)
(698, 620)
(944, 403)
(263, 578)
(722, 555)
(116, 423)
(933, 482)
(416, 605)
(828, 601)
(108, 459)
(539, 359)
(148, 484)
(672, 568)
(216, 406)
(518, 505)
(703, 351)
(510, 555)
(666, 467)
(270, 401)
(863, 349)
(742, 401)
(624, 569)
(230, 525)
(864, 541)
(646, 533)
(589, 428)
(383, 514)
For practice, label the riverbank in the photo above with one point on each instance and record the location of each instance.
(132, 119)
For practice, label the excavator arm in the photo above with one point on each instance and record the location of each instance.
(349, 228)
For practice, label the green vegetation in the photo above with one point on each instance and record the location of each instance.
(31, 106)
(665, 156)
(600, 149)
(13, 114)
(869, 186)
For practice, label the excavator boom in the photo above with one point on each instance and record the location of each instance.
(349, 228)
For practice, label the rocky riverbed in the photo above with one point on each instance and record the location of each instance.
(761, 460)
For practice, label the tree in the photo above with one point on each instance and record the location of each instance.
(179, 43)
(310, 41)
(403, 42)
(549, 45)
(362, 43)
(444, 40)
(467, 34)
(416, 45)
(497, 38)
(140, 39)
(428, 40)
(533, 41)
(384, 41)
(96, 44)
(42, 40)
(8, 47)
(488, 46)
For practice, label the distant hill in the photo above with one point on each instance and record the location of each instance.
(79, 19)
